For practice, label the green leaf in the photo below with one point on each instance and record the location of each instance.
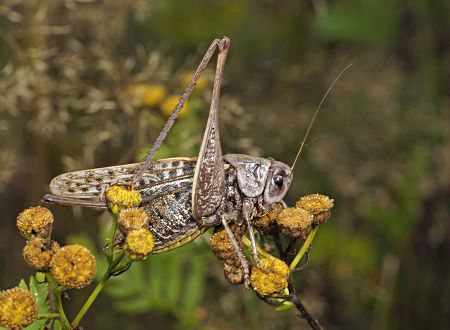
(23, 285)
(194, 285)
(39, 289)
(136, 305)
(367, 22)
(173, 279)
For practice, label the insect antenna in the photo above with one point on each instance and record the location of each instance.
(317, 112)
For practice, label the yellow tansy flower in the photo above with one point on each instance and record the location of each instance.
(187, 76)
(294, 222)
(119, 197)
(139, 243)
(146, 95)
(170, 103)
(39, 252)
(271, 278)
(18, 308)
(132, 218)
(35, 222)
(318, 205)
(73, 266)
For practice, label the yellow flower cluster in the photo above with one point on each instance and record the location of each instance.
(170, 103)
(39, 252)
(139, 243)
(119, 197)
(224, 250)
(271, 275)
(146, 95)
(73, 266)
(18, 308)
(133, 221)
(222, 246)
(267, 223)
(319, 206)
(271, 278)
(142, 95)
(35, 222)
(296, 222)
(132, 218)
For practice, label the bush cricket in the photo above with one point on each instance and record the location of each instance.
(185, 196)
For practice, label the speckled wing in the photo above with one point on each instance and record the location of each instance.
(163, 176)
(209, 177)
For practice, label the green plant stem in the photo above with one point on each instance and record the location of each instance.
(112, 236)
(94, 294)
(263, 253)
(90, 300)
(48, 316)
(305, 247)
(58, 303)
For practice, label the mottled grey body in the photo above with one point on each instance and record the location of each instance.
(184, 196)
(166, 188)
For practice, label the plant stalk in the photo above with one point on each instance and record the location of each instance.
(305, 247)
(58, 303)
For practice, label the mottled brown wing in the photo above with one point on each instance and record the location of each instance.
(162, 176)
(209, 176)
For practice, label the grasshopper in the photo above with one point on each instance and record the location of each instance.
(185, 196)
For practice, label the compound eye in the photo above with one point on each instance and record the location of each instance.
(278, 180)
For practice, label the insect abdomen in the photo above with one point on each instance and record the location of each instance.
(171, 220)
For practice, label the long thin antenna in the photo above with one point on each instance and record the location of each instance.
(317, 112)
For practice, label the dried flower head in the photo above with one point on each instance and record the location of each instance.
(170, 103)
(222, 246)
(73, 266)
(39, 252)
(146, 95)
(271, 278)
(318, 205)
(18, 308)
(139, 243)
(294, 222)
(266, 223)
(234, 273)
(119, 197)
(133, 218)
(35, 222)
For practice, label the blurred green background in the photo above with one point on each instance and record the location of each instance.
(86, 83)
